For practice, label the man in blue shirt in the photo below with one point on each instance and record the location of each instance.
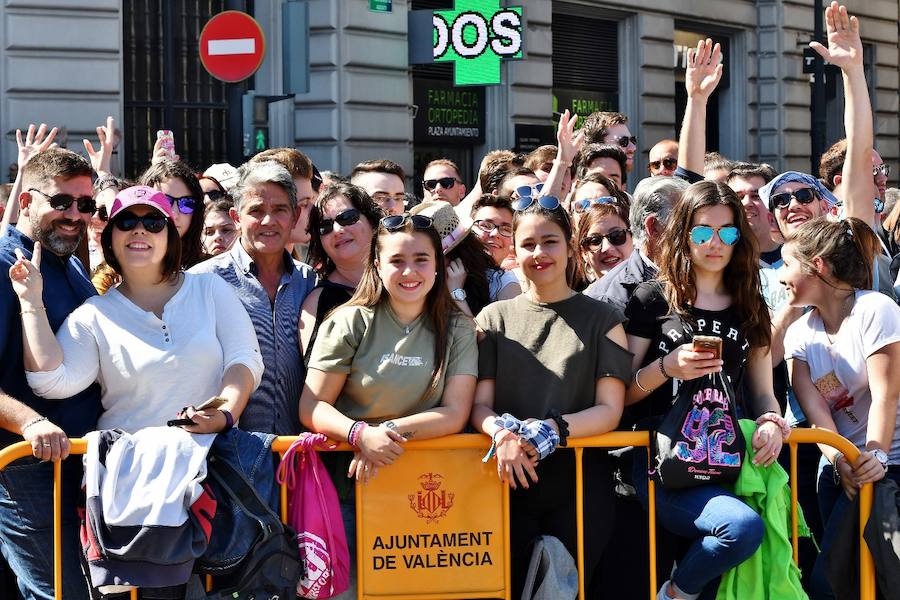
(271, 287)
(56, 208)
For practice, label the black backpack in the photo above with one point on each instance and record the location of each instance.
(271, 570)
(699, 440)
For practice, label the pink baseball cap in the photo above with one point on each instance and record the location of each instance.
(141, 194)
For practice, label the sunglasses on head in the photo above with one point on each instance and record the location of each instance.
(153, 222)
(783, 200)
(729, 235)
(625, 140)
(669, 163)
(445, 182)
(213, 195)
(186, 204)
(394, 223)
(62, 202)
(581, 206)
(883, 168)
(345, 218)
(594, 242)
(527, 190)
(489, 226)
(546, 202)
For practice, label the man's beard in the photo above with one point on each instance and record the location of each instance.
(53, 241)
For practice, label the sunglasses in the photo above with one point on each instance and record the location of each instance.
(213, 195)
(345, 218)
(669, 163)
(394, 223)
(625, 140)
(186, 204)
(527, 190)
(883, 168)
(581, 206)
(62, 202)
(783, 200)
(546, 202)
(102, 214)
(702, 234)
(153, 223)
(489, 226)
(594, 242)
(445, 182)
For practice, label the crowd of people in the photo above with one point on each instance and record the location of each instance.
(542, 302)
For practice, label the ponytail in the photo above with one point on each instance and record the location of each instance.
(848, 247)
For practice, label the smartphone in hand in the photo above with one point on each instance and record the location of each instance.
(708, 343)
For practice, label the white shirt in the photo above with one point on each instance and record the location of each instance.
(838, 369)
(149, 368)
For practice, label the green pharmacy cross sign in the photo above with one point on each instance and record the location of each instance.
(476, 35)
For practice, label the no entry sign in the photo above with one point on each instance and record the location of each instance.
(232, 46)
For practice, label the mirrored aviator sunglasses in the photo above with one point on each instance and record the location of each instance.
(394, 223)
(127, 221)
(581, 206)
(186, 204)
(783, 200)
(702, 234)
(546, 202)
(344, 218)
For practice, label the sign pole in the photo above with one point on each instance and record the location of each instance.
(817, 133)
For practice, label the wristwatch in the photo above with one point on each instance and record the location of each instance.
(881, 456)
(458, 294)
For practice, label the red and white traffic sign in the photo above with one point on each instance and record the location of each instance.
(232, 46)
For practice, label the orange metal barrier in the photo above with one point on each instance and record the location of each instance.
(609, 440)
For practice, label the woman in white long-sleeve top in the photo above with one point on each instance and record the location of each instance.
(160, 341)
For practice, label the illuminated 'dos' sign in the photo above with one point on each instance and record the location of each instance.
(476, 35)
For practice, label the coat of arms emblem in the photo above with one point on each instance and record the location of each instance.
(431, 503)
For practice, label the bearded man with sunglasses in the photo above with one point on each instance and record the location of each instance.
(56, 208)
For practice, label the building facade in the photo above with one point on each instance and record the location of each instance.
(71, 63)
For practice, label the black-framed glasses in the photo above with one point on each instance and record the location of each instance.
(783, 200)
(127, 221)
(594, 242)
(702, 234)
(61, 202)
(883, 168)
(186, 204)
(488, 226)
(546, 202)
(581, 206)
(394, 223)
(668, 163)
(445, 182)
(214, 195)
(345, 218)
(624, 140)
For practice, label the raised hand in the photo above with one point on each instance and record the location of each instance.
(100, 159)
(568, 142)
(844, 44)
(26, 279)
(160, 154)
(35, 141)
(704, 70)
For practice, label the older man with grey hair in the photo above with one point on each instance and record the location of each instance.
(652, 202)
(271, 287)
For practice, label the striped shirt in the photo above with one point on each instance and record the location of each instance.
(273, 407)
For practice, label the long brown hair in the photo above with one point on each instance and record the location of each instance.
(741, 274)
(440, 309)
(848, 247)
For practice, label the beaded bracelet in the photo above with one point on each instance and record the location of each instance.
(355, 431)
(662, 368)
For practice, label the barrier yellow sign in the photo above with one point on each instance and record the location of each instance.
(433, 523)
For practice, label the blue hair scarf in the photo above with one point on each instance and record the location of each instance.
(765, 192)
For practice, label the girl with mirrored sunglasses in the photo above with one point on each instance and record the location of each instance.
(141, 338)
(554, 360)
(708, 284)
(178, 182)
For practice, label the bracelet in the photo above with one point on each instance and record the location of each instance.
(561, 424)
(355, 431)
(36, 309)
(773, 417)
(229, 419)
(34, 421)
(637, 381)
(662, 368)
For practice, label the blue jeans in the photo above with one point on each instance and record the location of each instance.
(26, 527)
(833, 504)
(726, 531)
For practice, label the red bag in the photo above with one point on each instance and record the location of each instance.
(314, 512)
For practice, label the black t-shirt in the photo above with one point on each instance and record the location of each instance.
(649, 317)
